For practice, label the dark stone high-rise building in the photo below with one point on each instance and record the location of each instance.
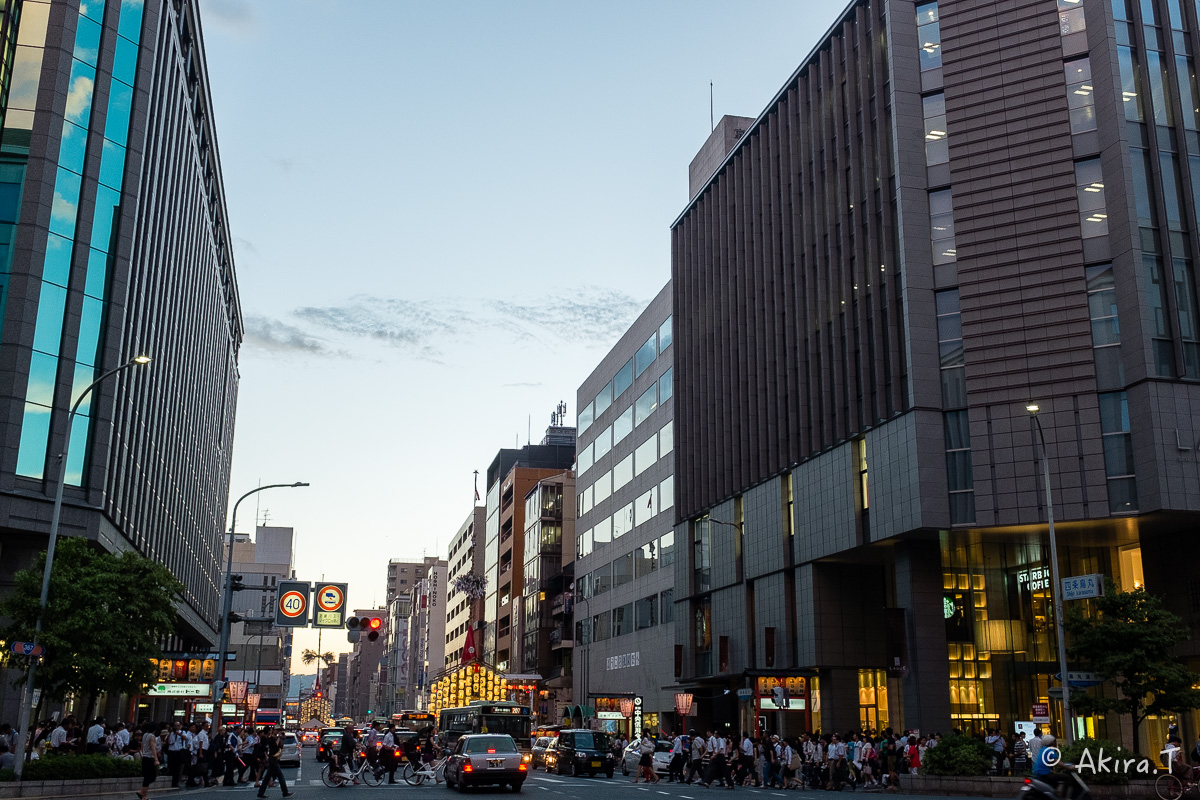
(950, 211)
(114, 241)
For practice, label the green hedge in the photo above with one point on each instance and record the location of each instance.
(76, 768)
(958, 755)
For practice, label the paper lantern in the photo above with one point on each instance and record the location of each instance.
(626, 706)
(252, 701)
(237, 691)
(683, 703)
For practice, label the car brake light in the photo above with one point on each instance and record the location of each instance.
(522, 767)
(468, 768)
(397, 754)
(491, 750)
(1027, 780)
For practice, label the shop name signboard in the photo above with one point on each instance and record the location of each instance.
(623, 661)
(207, 708)
(1035, 580)
(179, 689)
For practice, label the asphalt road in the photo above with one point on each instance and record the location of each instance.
(305, 780)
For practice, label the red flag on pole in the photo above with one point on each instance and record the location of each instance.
(469, 648)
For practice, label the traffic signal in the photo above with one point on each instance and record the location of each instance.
(320, 694)
(373, 626)
(235, 583)
(352, 624)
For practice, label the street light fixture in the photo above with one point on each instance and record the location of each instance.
(1055, 583)
(27, 694)
(226, 594)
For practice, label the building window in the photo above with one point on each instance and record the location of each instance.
(1130, 83)
(701, 571)
(623, 472)
(645, 507)
(667, 608)
(646, 611)
(1189, 98)
(959, 474)
(860, 456)
(664, 335)
(623, 425)
(1070, 17)
(623, 521)
(601, 626)
(585, 459)
(645, 405)
(929, 34)
(604, 399)
(622, 620)
(666, 549)
(602, 580)
(1093, 211)
(585, 417)
(1080, 94)
(603, 443)
(941, 224)
(666, 494)
(645, 355)
(950, 347)
(645, 559)
(872, 699)
(622, 570)
(1106, 329)
(703, 633)
(666, 385)
(1160, 88)
(1185, 298)
(1118, 453)
(646, 455)
(623, 379)
(937, 147)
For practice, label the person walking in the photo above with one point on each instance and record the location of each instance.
(274, 747)
(150, 759)
(388, 753)
(678, 757)
(178, 751)
(646, 749)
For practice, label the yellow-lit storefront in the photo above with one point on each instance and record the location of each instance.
(1000, 629)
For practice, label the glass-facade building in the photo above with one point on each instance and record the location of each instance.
(114, 242)
(948, 212)
(624, 539)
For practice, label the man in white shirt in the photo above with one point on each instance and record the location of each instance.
(58, 736)
(122, 735)
(675, 769)
(748, 758)
(95, 736)
(178, 752)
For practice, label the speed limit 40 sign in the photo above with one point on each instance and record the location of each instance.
(291, 604)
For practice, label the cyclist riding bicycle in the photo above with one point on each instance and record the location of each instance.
(344, 759)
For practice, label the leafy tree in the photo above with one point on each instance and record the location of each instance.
(1129, 644)
(105, 616)
(308, 656)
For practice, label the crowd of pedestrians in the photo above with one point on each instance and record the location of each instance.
(192, 755)
(808, 761)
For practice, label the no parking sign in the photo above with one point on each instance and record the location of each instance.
(330, 599)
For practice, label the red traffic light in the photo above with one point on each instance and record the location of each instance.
(320, 694)
(376, 623)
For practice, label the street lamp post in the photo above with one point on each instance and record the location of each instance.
(56, 514)
(1056, 584)
(226, 594)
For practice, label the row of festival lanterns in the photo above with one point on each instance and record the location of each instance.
(476, 682)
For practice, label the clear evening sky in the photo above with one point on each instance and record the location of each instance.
(444, 215)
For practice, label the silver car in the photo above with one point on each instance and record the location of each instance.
(290, 744)
(486, 758)
(633, 756)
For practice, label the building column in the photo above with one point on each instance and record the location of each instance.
(839, 699)
(926, 687)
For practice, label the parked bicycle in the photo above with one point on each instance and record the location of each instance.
(434, 769)
(362, 771)
(1170, 787)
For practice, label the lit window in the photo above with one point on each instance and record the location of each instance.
(929, 36)
(1081, 98)
(937, 147)
(1093, 211)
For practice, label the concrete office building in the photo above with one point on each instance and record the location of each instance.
(939, 219)
(624, 537)
(462, 612)
(403, 575)
(114, 241)
(262, 562)
(546, 617)
(509, 478)
(426, 633)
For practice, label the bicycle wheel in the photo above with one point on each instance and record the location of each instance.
(411, 776)
(373, 775)
(1168, 787)
(330, 778)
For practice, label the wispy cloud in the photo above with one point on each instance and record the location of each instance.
(423, 328)
(279, 338)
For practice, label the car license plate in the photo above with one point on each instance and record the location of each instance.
(495, 762)
(595, 763)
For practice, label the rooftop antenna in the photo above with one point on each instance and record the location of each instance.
(712, 125)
